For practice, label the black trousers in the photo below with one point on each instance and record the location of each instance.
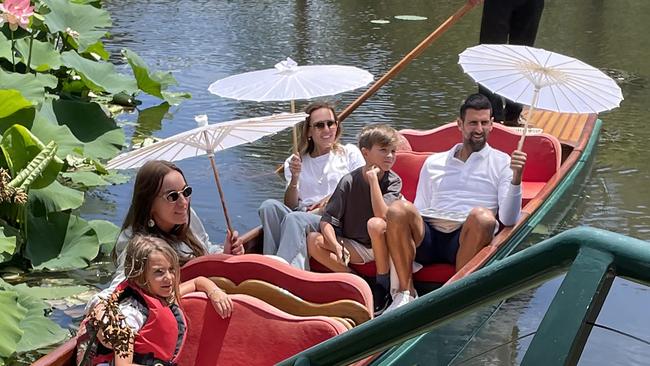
(509, 22)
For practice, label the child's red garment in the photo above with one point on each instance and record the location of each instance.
(157, 342)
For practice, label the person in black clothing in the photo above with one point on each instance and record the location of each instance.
(508, 22)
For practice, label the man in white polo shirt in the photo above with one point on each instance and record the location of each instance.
(459, 194)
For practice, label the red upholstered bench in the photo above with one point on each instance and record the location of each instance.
(313, 287)
(255, 334)
(543, 161)
(544, 151)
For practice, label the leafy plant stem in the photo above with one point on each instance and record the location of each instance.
(13, 51)
(29, 57)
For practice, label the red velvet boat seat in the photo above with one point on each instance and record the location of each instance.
(543, 161)
(544, 153)
(255, 334)
(313, 287)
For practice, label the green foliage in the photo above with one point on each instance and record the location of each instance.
(80, 24)
(44, 56)
(59, 240)
(35, 168)
(20, 147)
(107, 233)
(11, 101)
(23, 325)
(99, 76)
(10, 317)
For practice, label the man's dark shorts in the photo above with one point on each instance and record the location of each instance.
(437, 247)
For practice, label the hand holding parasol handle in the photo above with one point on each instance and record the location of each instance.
(407, 59)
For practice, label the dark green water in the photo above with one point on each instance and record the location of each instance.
(202, 41)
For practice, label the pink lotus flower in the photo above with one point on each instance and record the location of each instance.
(16, 13)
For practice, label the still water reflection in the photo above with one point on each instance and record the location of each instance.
(202, 41)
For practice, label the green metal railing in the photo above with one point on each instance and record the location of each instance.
(593, 258)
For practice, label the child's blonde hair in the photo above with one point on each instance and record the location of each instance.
(378, 134)
(138, 250)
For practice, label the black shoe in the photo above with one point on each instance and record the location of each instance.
(381, 298)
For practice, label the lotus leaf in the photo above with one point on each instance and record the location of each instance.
(19, 147)
(50, 292)
(82, 23)
(99, 50)
(44, 56)
(59, 241)
(48, 130)
(152, 84)
(86, 179)
(23, 117)
(32, 88)
(101, 136)
(12, 101)
(10, 317)
(107, 232)
(99, 76)
(7, 245)
(5, 47)
(39, 331)
(57, 197)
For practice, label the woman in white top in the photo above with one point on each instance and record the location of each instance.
(311, 179)
(161, 207)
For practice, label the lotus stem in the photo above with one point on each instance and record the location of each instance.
(29, 58)
(13, 47)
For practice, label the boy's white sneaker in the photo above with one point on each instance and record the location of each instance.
(400, 299)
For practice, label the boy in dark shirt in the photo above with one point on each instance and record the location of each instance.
(353, 226)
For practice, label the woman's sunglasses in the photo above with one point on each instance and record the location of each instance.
(173, 196)
(321, 124)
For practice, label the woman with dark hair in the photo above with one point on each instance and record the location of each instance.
(160, 206)
(311, 178)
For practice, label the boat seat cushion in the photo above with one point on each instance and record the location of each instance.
(544, 151)
(313, 287)
(255, 334)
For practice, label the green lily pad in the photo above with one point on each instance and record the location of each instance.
(107, 232)
(44, 56)
(60, 241)
(380, 21)
(56, 197)
(175, 98)
(99, 76)
(85, 24)
(410, 17)
(10, 317)
(11, 101)
(50, 292)
(86, 179)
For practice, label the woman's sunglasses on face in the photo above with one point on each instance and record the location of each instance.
(321, 124)
(173, 196)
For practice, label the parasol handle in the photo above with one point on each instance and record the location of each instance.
(294, 131)
(406, 60)
(221, 195)
(528, 117)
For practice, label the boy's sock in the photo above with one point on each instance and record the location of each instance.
(383, 280)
